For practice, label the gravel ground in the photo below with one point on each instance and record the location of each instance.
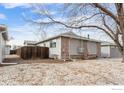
(81, 72)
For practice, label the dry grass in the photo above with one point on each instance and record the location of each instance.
(88, 72)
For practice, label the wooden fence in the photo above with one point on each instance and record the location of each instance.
(33, 52)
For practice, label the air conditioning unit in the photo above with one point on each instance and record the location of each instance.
(55, 56)
(80, 50)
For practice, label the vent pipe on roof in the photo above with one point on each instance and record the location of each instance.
(88, 36)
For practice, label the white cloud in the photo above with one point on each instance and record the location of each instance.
(2, 16)
(21, 33)
(15, 42)
(53, 12)
(13, 5)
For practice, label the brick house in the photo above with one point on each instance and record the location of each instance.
(71, 46)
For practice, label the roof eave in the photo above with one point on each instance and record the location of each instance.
(5, 36)
(65, 36)
(3, 31)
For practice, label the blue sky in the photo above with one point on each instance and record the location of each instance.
(11, 16)
(20, 30)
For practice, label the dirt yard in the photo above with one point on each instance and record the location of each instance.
(80, 72)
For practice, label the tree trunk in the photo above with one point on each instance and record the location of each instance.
(120, 13)
(123, 47)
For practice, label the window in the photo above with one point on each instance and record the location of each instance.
(52, 44)
(44, 45)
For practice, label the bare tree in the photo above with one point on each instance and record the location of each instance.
(108, 18)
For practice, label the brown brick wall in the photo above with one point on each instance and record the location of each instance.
(85, 55)
(85, 50)
(90, 56)
(64, 48)
(98, 49)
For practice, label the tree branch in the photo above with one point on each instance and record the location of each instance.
(109, 29)
(106, 11)
(74, 27)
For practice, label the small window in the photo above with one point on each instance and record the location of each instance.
(52, 44)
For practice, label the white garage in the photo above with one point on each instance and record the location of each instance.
(109, 50)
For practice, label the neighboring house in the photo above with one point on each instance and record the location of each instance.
(14, 47)
(109, 50)
(3, 39)
(29, 43)
(70, 45)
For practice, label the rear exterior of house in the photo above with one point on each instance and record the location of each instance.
(82, 49)
(71, 46)
(109, 50)
(3, 38)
